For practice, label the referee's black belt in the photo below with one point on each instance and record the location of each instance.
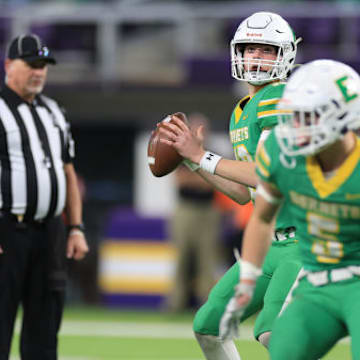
(20, 219)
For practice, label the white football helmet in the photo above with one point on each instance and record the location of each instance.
(320, 103)
(263, 28)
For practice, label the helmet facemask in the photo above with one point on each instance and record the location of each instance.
(250, 70)
(309, 131)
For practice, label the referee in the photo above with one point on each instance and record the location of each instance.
(37, 182)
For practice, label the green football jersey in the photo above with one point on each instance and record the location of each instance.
(249, 118)
(326, 210)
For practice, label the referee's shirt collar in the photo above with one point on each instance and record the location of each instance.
(14, 98)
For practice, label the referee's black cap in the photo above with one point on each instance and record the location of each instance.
(29, 47)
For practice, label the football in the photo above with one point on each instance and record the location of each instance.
(162, 158)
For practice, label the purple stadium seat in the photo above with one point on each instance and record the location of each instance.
(208, 70)
(316, 30)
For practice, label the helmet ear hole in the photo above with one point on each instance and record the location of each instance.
(239, 48)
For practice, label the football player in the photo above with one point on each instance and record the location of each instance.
(310, 163)
(262, 54)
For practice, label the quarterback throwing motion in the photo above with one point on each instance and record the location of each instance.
(263, 52)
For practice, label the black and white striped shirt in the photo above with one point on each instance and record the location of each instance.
(35, 143)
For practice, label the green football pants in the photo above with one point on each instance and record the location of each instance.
(316, 319)
(280, 269)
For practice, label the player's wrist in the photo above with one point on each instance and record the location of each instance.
(191, 165)
(249, 272)
(245, 288)
(197, 158)
(209, 161)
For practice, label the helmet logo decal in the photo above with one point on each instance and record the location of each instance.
(345, 84)
(254, 34)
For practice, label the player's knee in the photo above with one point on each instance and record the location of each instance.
(207, 319)
(281, 350)
(264, 339)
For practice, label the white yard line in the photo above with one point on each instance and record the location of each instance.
(139, 330)
(131, 329)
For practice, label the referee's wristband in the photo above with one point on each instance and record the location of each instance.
(80, 227)
(209, 162)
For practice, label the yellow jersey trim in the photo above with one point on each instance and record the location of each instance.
(262, 169)
(269, 102)
(238, 109)
(264, 156)
(271, 113)
(326, 187)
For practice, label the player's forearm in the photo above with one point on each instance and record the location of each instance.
(256, 241)
(235, 191)
(240, 171)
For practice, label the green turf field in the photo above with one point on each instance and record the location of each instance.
(100, 334)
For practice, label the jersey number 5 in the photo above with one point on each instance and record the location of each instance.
(325, 246)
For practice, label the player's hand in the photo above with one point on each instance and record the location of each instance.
(187, 142)
(230, 321)
(1, 250)
(77, 246)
